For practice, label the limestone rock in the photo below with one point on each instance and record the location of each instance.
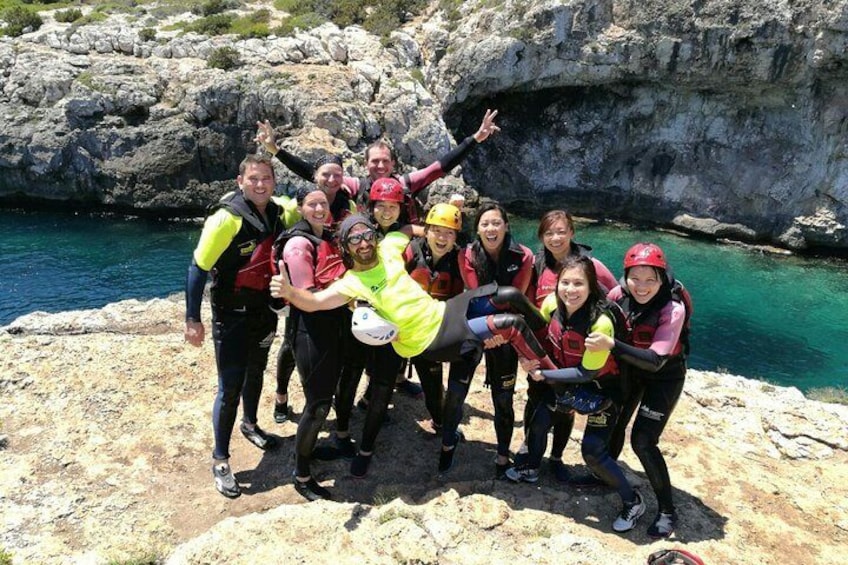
(658, 111)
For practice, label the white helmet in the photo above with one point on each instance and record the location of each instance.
(370, 328)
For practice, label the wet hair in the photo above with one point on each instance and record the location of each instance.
(551, 217)
(328, 159)
(253, 159)
(305, 191)
(488, 207)
(597, 297)
(382, 144)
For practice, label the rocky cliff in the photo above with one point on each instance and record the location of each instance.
(105, 438)
(725, 118)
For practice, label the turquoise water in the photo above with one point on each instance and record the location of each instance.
(780, 319)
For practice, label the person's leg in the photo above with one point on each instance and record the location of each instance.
(262, 326)
(512, 328)
(285, 368)
(353, 364)
(536, 440)
(501, 370)
(459, 381)
(386, 364)
(229, 337)
(595, 452)
(430, 375)
(229, 334)
(632, 397)
(658, 403)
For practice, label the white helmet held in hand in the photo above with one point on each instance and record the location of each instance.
(370, 328)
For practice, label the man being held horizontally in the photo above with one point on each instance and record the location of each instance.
(437, 330)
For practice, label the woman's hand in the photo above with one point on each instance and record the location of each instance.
(494, 341)
(280, 284)
(597, 341)
(532, 368)
(266, 137)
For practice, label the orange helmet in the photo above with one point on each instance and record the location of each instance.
(645, 254)
(445, 215)
(386, 190)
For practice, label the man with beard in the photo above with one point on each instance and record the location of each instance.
(437, 330)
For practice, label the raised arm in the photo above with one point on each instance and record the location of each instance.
(417, 180)
(265, 135)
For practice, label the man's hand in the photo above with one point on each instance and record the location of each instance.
(280, 284)
(488, 126)
(194, 333)
(266, 137)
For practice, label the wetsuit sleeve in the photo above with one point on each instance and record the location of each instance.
(298, 255)
(420, 179)
(597, 359)
(195, 281)
(295, 164)
(645, 359)
(665, 339)
(218, 232)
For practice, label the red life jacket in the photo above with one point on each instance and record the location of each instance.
(566, 344)
(246, 263)
(441, 281)
(327, 258)
(256, 273)
(642, 328)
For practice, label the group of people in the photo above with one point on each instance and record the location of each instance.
(369, 287)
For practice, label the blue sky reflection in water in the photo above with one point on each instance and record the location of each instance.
(781, 319)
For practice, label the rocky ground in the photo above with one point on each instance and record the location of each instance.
(106, 438)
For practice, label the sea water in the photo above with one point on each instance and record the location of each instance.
(770, 317)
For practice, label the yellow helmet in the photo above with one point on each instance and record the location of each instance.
(445, 215)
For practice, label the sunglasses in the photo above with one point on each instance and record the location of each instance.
(358, 238)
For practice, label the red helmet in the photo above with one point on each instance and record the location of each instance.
(645, 254)
(386, 190)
